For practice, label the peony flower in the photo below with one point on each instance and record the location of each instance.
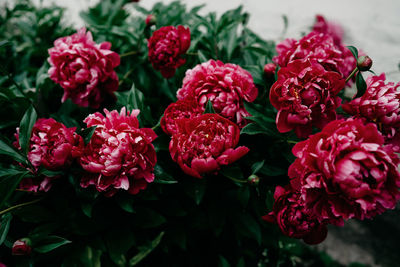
(345, 171)
(305, 95)
(380, 104)
(84, 69)
(166, 47)
(203, 144)
(185, 108)
(53, 146)
(319, 47)
(120, 155)
(294, 219)
(21, 247)
(227, 86)
(333, 29)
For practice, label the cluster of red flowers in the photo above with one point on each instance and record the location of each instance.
(349, 169)
(202, 143)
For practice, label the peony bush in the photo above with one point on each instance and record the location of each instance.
(163, 137)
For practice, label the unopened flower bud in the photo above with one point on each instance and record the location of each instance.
(151, 20)
(269, 70)
(364, 63)
(253, 179)
(22, 247)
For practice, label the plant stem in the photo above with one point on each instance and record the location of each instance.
(192, 54)
(20, 205)
(291, 142)
(130, 53)
(126, 76)
(351, 74)
(236, 180)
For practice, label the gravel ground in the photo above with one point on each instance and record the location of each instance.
(374, 27)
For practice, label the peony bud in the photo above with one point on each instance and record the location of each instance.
(151, 20)
(269, 70)
(364, 63)
(21, 247)
(253, 179)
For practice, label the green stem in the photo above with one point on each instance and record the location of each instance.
(192, 54)
(291, 142)
(130, 53)
(351, 74)
(236, 180)
(19, 206)
(126, 76)
(156, 126)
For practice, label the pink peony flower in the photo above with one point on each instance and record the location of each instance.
(185, 108)
(317, 46)
(166, 47)
(346, 172)
(305, 95)
(84, 69)
(203, 144)
(53, 146)
(227, 86)
(120, 155)
(380, 104)
(21, 247)
(331, 28)
(294, 219)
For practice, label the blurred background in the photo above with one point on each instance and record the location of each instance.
(372, 26)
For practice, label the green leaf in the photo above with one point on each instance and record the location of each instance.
(146, 250)
(8, 150)
(248, 226)
(270, 170)
(361, 85)
(162, 177)
(25, 128)
(223, 262)
(232, 172)
(201, 56)
(209, 108)
(119, 240)
(48, 243)
(87, 134)
(8, 183)
(4, 226)
(253, 129)
(353, 50)
(42, 75)
(148, 218)
(195, 189)
(257, 166)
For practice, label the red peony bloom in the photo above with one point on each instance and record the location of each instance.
(380, 104)
(294, 219)
(269, 70)
(21, 248)
(120, 155)
(327, 27)
(185, 108)
(53, 146)
(202, 144)
(225, 85)
(345, 172)
(166, 47)
(305, 96)
(84, 69)
(317, 46)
